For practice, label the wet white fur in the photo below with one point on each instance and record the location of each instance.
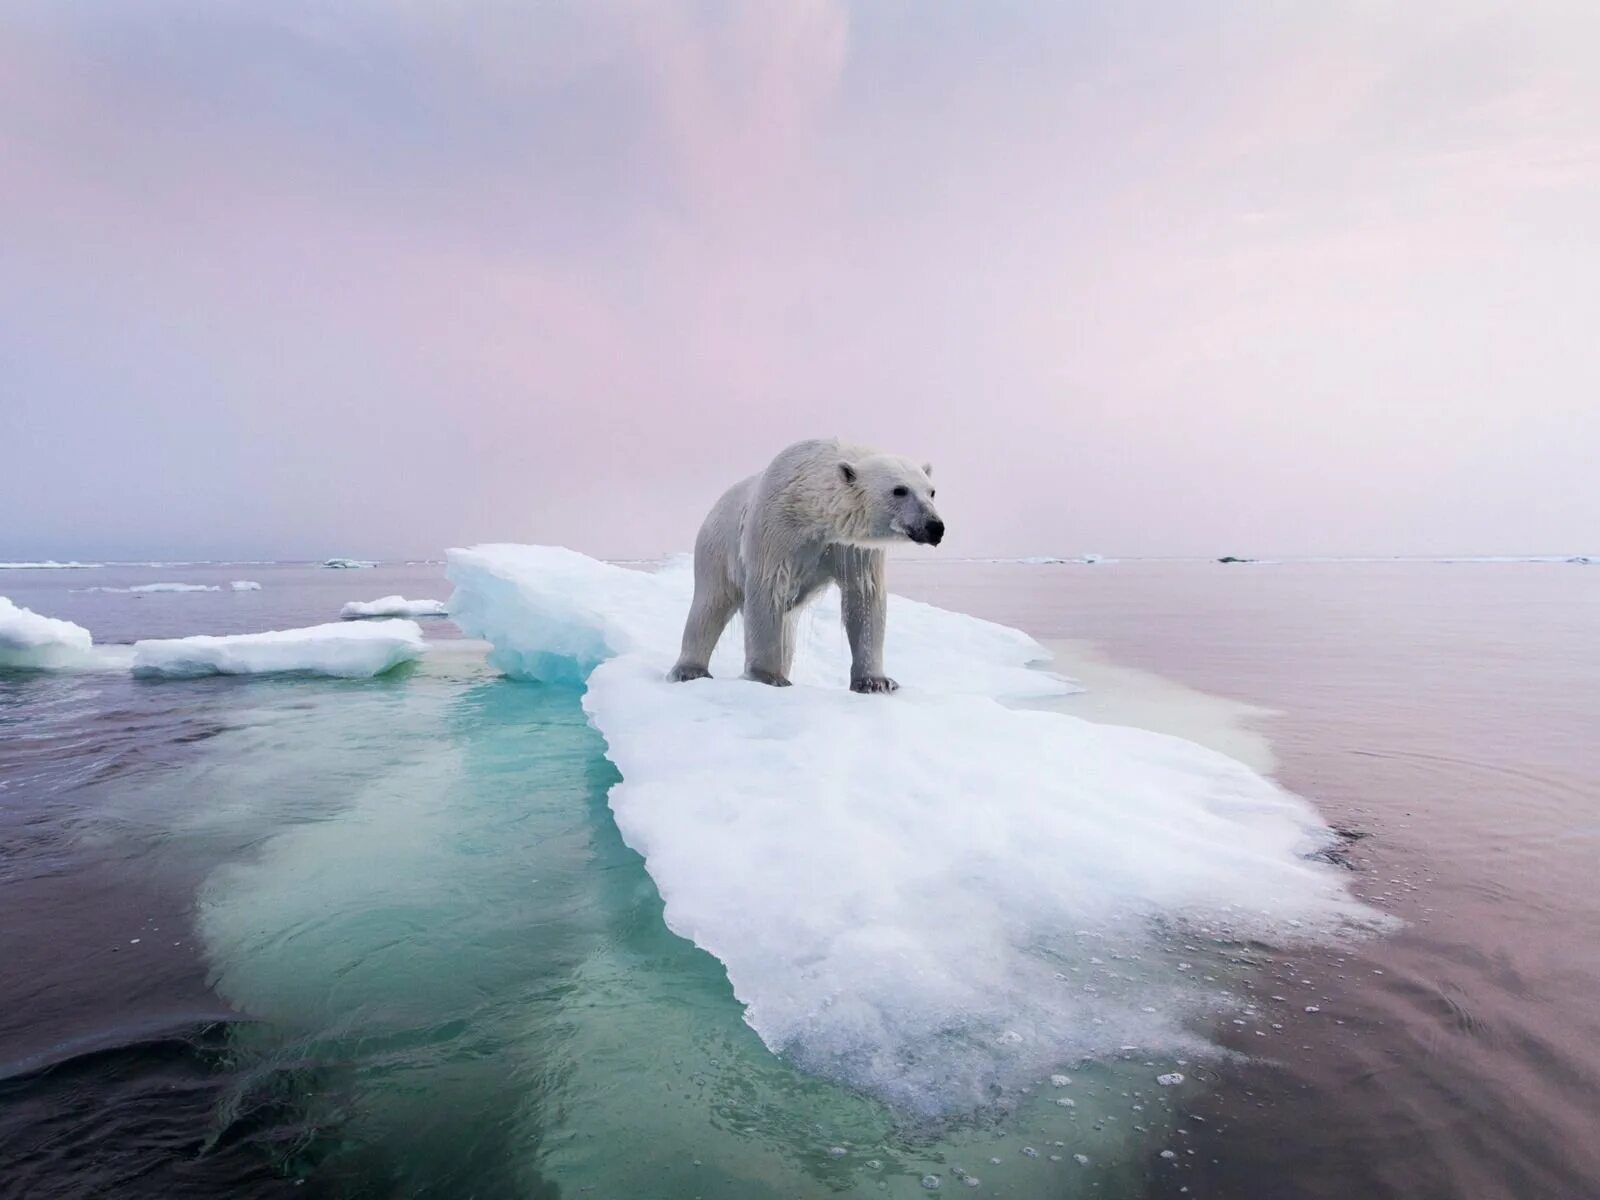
(821, 513)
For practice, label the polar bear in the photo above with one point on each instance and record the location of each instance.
(821, 513)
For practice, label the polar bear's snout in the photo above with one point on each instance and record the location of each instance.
(927, 532)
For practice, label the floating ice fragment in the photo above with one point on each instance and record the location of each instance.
(1060, 1080)
(1170, 1079)
(1081, 1159)
(392, 606)
(158, 587)
(347, 651)
(932, 1182)
(245, 585)
(29, 640)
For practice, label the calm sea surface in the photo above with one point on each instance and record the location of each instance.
(381, 938)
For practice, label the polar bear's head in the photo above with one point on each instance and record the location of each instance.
(890, 499)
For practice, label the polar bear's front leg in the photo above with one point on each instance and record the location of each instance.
(714, 605)
(864, 595)
(768, 639)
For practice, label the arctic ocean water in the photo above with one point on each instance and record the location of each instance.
(382, 937)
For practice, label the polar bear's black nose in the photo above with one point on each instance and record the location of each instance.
(935, 531)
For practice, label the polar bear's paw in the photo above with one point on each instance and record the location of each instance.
(873, 683)
(767, 677)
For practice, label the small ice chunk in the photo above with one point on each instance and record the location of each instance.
(345, 651)
(392, 606)
(837, 1152)
(31, 641)
(1060, 1080)
(1030, 1152)
(347, 564)
(932, 1182)
(1067, 1102)
(1081, 1159)
(1170, 1079)
(1168, 1154)
(245, 585)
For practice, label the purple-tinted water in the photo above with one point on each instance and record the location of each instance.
(1444, 713)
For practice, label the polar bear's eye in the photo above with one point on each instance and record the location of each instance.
(932, 493)
(902, 490)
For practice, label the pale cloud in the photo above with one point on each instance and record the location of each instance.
(1141, 280)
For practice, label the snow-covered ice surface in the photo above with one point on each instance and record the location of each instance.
(47, 565)
(393, 606)
(904, 890)
(33, 641)
(346, 651)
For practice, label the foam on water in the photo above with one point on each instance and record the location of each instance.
(903, 890)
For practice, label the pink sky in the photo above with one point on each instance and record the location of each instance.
(280, 280)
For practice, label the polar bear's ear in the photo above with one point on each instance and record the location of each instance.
(927, 469)
(848, 472)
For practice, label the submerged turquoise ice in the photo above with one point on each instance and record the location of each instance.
(463, 980)
(459, 976)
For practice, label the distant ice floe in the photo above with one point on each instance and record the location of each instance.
(156, 587)
(28, 640)
(1044, 560)
(346, 564)
(903, 889)
(393, 606)
(245, 585)
(47, 565)
(340, 650)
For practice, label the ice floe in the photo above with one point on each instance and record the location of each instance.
(342, 650)
(158, 587)
(345, 564)
(47, 565)
(245, 585)
(33, 641)
(393, 606)
(901, 888)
